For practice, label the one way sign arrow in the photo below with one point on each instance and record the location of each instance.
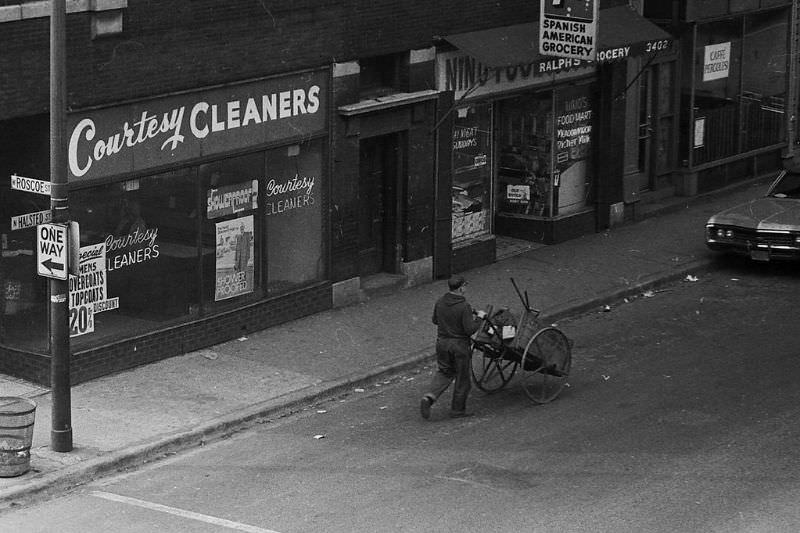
(51, 265)
(52, 250)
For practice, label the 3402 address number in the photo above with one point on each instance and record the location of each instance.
(657, 46)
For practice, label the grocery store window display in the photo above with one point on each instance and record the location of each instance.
(524, 144)
(472, 167)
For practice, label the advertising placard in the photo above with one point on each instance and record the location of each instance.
(231, 199)
(518, 194)
(235, 258)
(568, 28)
(88, 289)
(716, 61)
(699, 132)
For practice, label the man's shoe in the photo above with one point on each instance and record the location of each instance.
(460, 414)
(425, 407)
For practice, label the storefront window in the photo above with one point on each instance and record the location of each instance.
(293, 194)
(573, 142)
(764, 68)
(717, 55)
(23, 293)
(740, 85)
(194, 239)
(472, 167)
(525, 155)
(231, 229)
(147, 230)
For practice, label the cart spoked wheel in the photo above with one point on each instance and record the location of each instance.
(490, 371)
(546, 364)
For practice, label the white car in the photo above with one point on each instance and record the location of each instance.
(764, 228)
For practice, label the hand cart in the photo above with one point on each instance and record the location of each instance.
(544, 354)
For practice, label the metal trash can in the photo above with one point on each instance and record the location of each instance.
(16, 435)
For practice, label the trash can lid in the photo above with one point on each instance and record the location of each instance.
(16, 405)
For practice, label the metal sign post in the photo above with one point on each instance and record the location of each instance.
(61, 432)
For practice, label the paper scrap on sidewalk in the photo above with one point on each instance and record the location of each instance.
(689, 277)
(648, 294)
(606, 378)
(321, 411)
(319, 437)
(359, 390)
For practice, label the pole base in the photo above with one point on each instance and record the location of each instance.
(61, 440)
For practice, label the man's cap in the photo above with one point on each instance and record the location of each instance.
(456, 282)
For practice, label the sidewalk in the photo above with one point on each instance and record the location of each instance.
(136, 416)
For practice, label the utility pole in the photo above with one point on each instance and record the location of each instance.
(61, 433)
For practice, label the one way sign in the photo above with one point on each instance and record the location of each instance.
(52, 250)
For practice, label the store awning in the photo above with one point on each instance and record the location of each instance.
(622, 33)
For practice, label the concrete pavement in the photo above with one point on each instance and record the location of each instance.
(133, 417)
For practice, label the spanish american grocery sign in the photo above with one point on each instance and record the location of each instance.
(568, 28)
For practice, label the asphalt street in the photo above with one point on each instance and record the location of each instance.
(679, 417)
(128, 419)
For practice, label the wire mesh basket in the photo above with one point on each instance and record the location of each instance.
(17, 416)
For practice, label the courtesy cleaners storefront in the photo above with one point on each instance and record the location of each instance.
(195, 209)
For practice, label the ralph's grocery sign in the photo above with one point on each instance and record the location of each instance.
(179, 128)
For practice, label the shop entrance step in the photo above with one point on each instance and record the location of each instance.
(382, 284)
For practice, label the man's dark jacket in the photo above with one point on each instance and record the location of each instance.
(453, 314)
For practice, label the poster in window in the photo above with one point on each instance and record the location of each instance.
(88, 291)
(230, 199)
(235, 261)
(699, 132)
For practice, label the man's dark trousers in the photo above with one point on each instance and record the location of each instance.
(453, 358)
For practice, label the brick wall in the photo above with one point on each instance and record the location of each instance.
(469, 257)
(421, 186)
(173, 45)
(90, 364)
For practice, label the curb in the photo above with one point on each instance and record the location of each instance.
(221, 427)
(649, 282)
(60, 480)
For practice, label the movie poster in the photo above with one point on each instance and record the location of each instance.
(235, 258)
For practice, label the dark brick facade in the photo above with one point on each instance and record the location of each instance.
(415, 122)
(176, 45)
(476, 254)
(103, 360)
(170, 46)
